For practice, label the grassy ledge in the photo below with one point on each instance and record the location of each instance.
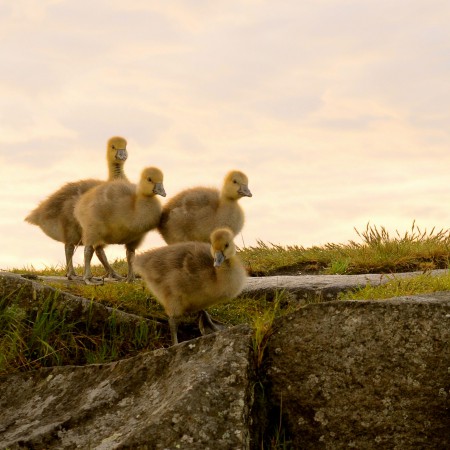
(375, 252)
(44, 335)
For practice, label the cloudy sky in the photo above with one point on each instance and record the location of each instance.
(338, 110)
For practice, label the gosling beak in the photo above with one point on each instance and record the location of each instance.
(159, 189)
(219, 258)
(122, 154)
(244, 191)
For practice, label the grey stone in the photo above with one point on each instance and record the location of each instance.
(310, 288)
(195, 395)
(303, 288)
(364, 375)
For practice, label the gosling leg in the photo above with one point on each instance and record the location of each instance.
(206, 324)
(87, 277)
(110, 272)
(130, 260)
(173, 330)
(69, 251)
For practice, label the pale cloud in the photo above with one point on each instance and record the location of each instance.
(337, 109)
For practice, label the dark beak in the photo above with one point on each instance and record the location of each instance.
(122, 154)
(159, 189)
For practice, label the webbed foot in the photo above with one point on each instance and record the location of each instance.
(73, 276)
(130, 278)
(114, 276)
(208, 325)
(94, 281)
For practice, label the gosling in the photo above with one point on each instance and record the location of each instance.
(55, 214)
(191, 276)
(194, 213)
(119, 212)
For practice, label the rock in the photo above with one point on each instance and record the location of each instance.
(364, 375)
(304, 288)
(369, 374)
(195, 395)
(313, 288)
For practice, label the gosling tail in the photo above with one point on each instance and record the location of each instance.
(33, 218)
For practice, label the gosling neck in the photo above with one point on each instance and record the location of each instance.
(142, 195)
(227, 198)
(116, 171)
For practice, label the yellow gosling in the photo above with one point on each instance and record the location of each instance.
(119, 212)
(55, 214)
(194, 213)
(191, 276)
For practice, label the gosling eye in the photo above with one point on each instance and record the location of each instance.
(149, 180)
(227, 245)
(113, 146)
(234, 181)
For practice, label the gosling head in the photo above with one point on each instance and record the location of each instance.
(235, 185)
(117, 149)
(151, 182)
(222, 245)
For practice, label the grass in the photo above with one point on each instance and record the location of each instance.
(263, 326)
(128, 297)
(398, 287)
(376, 251)
(44, 336)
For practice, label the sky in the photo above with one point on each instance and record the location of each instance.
(337, 110)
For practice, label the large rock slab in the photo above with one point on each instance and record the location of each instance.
(313, 288)
(303, 288)
(195, 395)
(371, 374)
(364, 375)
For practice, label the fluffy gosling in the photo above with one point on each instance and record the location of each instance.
(194, 213)
(191, 276)
(119, 212)
(55, 214)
